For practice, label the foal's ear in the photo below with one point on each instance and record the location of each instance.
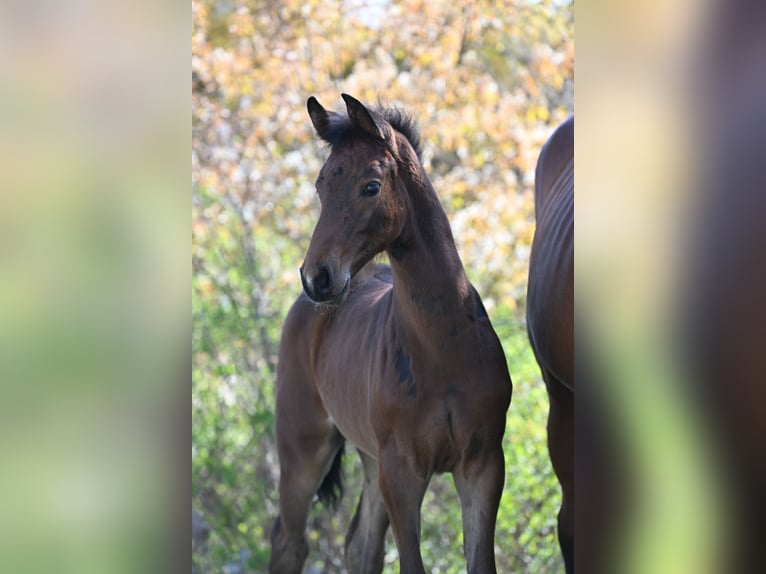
(320, 117)
(362, 118)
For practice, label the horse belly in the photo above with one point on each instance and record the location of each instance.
(551, 328)
(342, 379)
(550, 296)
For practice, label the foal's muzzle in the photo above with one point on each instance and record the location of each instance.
(321, 287)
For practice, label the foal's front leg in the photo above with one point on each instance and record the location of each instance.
(403, 490)
(479, 484)
(306, 443)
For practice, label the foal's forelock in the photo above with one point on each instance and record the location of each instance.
(399, 132)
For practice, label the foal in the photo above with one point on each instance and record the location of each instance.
(401, 361)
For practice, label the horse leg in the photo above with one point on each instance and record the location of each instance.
(365, 541)
(479, 485)
(306, 444)
(561, 448)
(302, 469)
(403, 491)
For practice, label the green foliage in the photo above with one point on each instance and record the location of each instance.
(488, 82)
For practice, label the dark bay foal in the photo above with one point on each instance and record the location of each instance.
(400, 361)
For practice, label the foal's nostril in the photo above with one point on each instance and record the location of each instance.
(320, 286)
(323, 281)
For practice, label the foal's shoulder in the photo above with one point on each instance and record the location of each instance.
(372, 282)
(373, 271)
(382, 272)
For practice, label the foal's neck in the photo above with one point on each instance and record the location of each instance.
(431, 290)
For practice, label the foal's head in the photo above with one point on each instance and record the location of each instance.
(362, 191)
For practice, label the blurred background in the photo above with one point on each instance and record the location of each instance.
(488, 82)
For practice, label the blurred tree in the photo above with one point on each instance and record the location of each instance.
(488, 82)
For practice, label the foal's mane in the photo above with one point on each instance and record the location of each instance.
(402, 121)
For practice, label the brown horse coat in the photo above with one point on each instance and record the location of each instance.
(550, 311)
(402, 362)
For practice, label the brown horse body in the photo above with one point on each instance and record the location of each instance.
(550, 311)
(403, 362)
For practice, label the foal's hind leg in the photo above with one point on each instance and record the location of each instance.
(306, 444)
(561, 448)
(479, 484)
(365, 542)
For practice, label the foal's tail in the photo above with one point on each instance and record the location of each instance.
(331, 490)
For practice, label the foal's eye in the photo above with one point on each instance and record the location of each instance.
(371, 189)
